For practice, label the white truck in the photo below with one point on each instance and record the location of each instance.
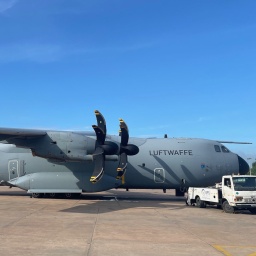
(235, 192)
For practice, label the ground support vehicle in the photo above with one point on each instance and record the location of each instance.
(235, 192)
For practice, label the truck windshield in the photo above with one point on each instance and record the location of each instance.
(244, 183)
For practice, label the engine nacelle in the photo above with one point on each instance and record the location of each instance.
(64, 146)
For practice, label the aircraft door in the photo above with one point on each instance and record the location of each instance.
(227, 189)
(159, 175)
(13, 166)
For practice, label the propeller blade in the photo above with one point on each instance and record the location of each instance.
(102, 147)
(100, 134)
(124, 133)
(125, 149)
(121, 169)
(99, 159)
(98, 155)
(101, 121)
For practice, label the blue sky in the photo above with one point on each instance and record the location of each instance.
(185, 68)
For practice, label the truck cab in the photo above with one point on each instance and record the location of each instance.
(239, 192)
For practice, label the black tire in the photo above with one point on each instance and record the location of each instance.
(51, 195)
(227, 207)
(71, 195)
(68, 195)
(200, 203)
(37, 195)
(219, 206)
(253, 211)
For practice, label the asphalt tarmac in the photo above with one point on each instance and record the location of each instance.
(117, 222)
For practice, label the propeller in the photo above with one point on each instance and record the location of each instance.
(125, 149)
(102, 148)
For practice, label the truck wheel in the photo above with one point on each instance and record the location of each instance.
(200, 203)
(227, 207)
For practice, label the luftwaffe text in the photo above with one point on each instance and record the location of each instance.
(166, 152)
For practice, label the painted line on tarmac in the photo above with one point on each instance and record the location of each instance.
(221, 249)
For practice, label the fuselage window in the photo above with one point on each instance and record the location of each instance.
(217, 148)
(224, 149)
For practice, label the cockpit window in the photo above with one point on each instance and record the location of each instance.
(224, 149)
(217, 148)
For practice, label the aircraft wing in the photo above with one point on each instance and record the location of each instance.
(10, 135)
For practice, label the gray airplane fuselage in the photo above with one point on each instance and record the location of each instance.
(161, 163)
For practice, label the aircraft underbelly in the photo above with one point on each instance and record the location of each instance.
(62, 182)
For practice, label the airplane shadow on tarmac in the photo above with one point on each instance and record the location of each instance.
(103, 207)
(111, 203)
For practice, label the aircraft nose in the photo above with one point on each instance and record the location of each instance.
(243, 166)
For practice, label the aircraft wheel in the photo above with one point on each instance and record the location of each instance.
(51, 195)
(253, 211)
(227, 207)
(37, 195)
(200, 203)
(68, 195)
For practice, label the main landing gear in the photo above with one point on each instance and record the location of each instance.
(56, 195)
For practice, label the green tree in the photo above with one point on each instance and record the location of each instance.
(253, 169)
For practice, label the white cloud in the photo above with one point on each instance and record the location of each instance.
(41, 53)
(44, 53)
(6, 4)
(115, 49)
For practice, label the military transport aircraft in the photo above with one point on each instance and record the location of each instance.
(70, 162)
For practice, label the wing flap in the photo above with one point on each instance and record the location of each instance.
(22, 132)
(7, 135)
